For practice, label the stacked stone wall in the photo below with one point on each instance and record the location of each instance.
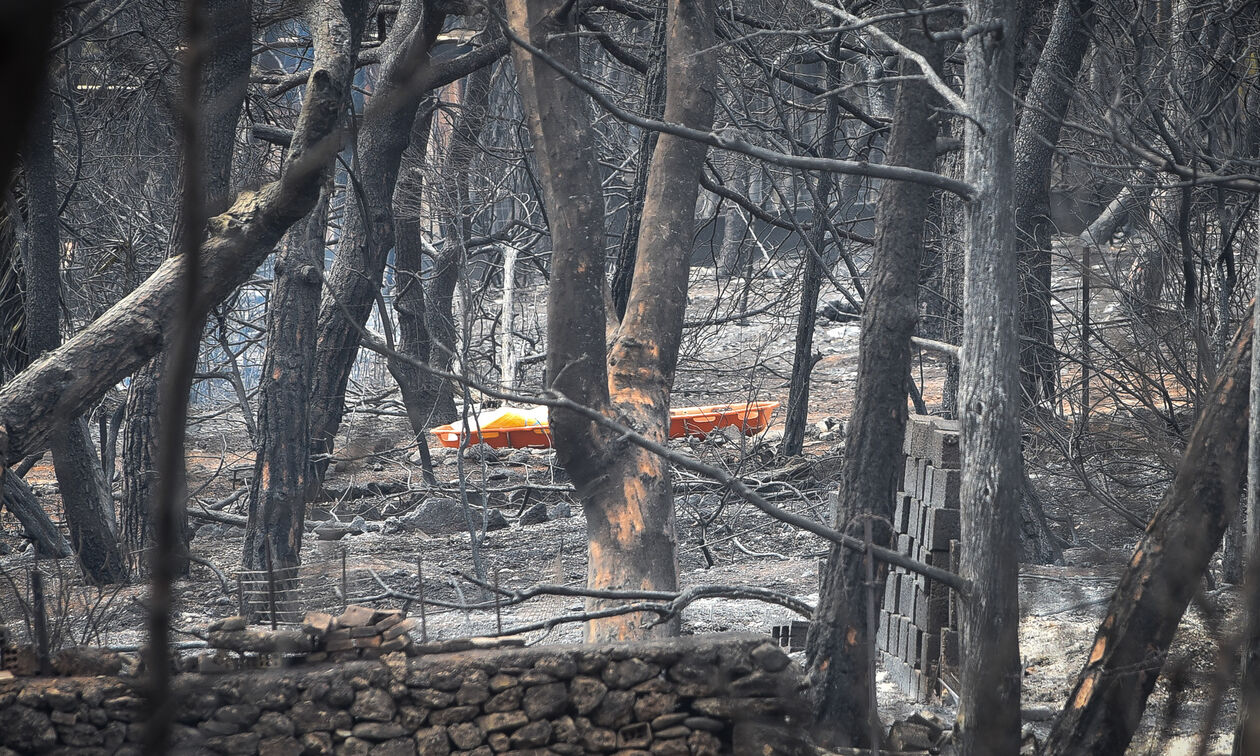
(712, 694)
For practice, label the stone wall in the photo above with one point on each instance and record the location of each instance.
(710, 694)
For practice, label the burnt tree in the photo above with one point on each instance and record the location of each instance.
(838, 645)
(85, 496)
(988, 386)
(626, 491)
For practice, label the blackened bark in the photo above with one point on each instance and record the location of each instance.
(988, 404)
(86, 500)
(838, 646)
(36, 524)
(654, 107)
(368, 227)
(277, 496)
(1048, 97)
(803, 349)
(26, 32)
(139, 463)
(1106, 703)
(221, 92)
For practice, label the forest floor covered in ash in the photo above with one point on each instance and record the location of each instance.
(723, 541)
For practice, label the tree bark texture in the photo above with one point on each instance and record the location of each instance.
(69, 380)
(221, 93)
(992, 479)
(626, 491)
(28, 510)
(26, 33)
(1048, 97)
(1247, 733)
(838, 645)
(277, 496)
(1107, 701)
(85, 499)
(368, 227)
(803, 351)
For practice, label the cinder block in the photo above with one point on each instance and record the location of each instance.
(943, 526)
(946, 486)
(921, 468)
(881, 630)
(910, 481)
(901, 512)
(890, 591)
(904, 542)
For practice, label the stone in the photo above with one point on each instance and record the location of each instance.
(506, 720)
(704, 744)
(532, 735)
(396, 747)
(677, 731)
(81, 735)
(628, 673)
(412, 717)
(544, 701)
(732, 709)
(559, 667)
(475, 688)
(586, 693)
(695, 677)
(125, 708)
(665, 721)
(751, 737)
(704, 723)
(442, 515)
(66, 718)
(535, 515)
(498, 742)
(649, 706)
(353, 747)
(215, 727)
(280, 746)
(600, 740)
(565, 730)
(373, 705)
(755, 684)
(316, 744)
(501, 682)
(455, 714)
(377, 731)
(434, 699)
(637, 735)
(432, 741)
(672, 747)
(243, 744)
(769, 658)
(274, 724)
(61, 700)
(228, 624)
(239, 714)
(466, 735)
(616, 710)
(308, 716)
(508, 700)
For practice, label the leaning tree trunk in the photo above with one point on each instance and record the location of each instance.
(277, 496)
(803, 350)
(85, 498)
(1106, 703)
(992, 480)
(368, 227)
(626, 491)
(1048, 96)
(838, 646)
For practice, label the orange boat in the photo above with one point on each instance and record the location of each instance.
(521, 429)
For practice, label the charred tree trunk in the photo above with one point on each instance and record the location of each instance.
(41, 530)
(803, 359)
(838, 647)
(654, 102)
(277, 496)
(223, 80)
(1247, 730)
(626, 491)
(1106, 704)
(988, 386)
(1051, 90)
(86, 500)
(368, 227)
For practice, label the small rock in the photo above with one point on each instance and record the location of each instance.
(482, 453)
(535, 515)
(561, 511)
